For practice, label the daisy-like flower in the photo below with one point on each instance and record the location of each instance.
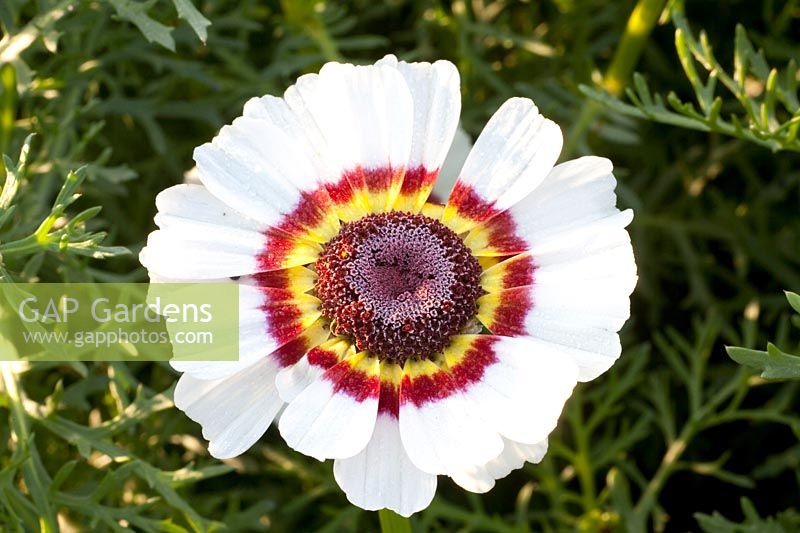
(401, 338)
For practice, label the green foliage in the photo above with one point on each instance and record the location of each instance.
(784, 522)
(773, 363)
(57, 232)
(125, 90)
(137, 13)
(102, 450)
(757, 88)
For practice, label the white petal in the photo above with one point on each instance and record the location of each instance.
(513, 154)
(201, 237)
(573, 194)
(157, 278)
(300, 99)
(269, 151)
(351, 116)
(610, 257)
(585, 270)
(523, 392)
(436, 94)
(265, 174)
(586, 297)
(205, 253)
(365, 114)
(583, 240)
(294, 379)
(180, 206)
(351, 121)
(481, 479)
(593, 349)
(382, 476)
(296, 123)
(259, 335)
(334, 416)
(584, 279)
(445, 435)
(233, 411)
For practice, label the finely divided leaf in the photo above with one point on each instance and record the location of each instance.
(153, 31)
(794, 300)
(196, 20)
(774, 363)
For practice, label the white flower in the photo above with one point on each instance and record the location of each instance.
(405, 339)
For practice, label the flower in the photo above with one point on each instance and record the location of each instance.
(402, 338)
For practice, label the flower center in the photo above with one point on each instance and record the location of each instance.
(399, 284)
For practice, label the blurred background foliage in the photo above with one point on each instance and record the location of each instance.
(675, 437)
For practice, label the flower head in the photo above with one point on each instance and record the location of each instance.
(403, 338)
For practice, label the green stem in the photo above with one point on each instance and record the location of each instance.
(702, 419)
(644, 507)
(581, 461)
(640, 24)
(12, 47)
(32, 469)
(8, 108)
(392, 522)
(23, 246)
(40, 240)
